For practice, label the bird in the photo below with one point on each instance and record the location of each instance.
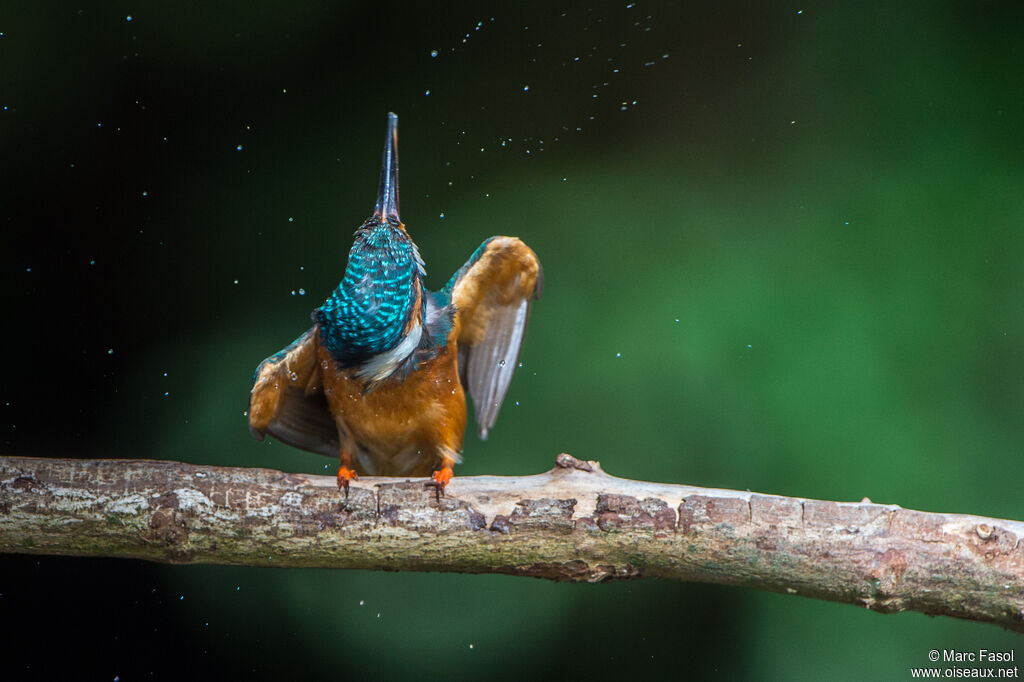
(380, 379)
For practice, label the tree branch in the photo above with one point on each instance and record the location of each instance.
(572, 523)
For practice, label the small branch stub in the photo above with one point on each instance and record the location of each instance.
(574, 523)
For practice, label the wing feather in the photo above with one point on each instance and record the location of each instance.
(492, 294)
(287, 400)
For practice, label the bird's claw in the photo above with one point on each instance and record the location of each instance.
(345, 475)
(439, 479)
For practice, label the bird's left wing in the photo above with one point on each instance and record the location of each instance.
(287, 399)
(492, 294)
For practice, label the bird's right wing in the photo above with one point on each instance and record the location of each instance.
(492, 294)
(287, 400)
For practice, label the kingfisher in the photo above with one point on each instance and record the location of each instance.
(380, 379)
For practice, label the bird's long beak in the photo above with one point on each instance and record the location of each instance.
(387, 195)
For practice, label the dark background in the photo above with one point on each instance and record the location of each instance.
(782, 246)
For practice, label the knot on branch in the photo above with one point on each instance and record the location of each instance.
(564, 461)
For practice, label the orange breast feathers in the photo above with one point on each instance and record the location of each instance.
(405, 426)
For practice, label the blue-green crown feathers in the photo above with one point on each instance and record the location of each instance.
(370, 309)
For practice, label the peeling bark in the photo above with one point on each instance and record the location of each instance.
(573, 523)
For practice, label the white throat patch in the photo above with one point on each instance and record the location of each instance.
(381, 366)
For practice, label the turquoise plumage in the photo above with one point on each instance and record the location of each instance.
(369, 311)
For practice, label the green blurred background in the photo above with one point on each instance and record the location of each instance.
(782, 246)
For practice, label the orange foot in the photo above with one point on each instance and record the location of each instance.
(344, 476)
(439, 479)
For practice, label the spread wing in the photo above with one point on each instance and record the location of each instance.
(492, 294)
(287, 400)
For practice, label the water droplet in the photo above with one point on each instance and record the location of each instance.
(291, 220)
(442, 215)
(433, 53)
(526, 88)
(427, 93)
(361, 602)
(302, 292)
(128, 18)
(501, 364)
(618, 355)
(110, 351)
(238, 148)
